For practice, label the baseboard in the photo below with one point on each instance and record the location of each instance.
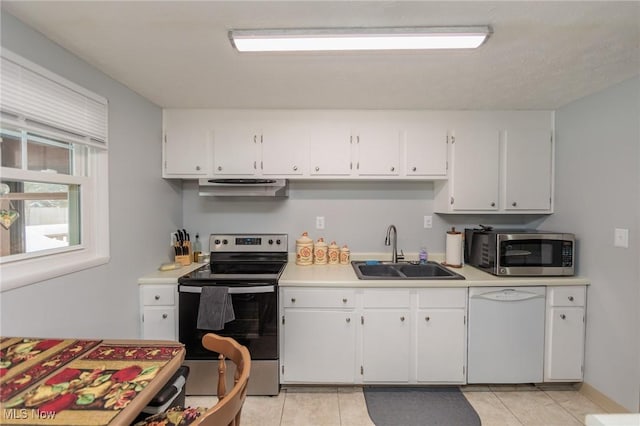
(601, 399)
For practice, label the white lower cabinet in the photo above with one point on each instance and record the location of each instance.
(386, 336)
(564, 336)
(354, 336)
(159, 312)
(441, 330)
(318, 342)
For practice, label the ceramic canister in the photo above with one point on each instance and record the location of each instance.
(304, 250)
(344, 255)
(320, 252)
(334, 253)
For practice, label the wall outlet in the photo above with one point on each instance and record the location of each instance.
(319, 222)
(621, 238)
(428, 222)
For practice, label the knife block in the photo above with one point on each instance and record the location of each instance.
(185, 259)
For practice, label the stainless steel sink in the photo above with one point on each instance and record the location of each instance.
(403, 271)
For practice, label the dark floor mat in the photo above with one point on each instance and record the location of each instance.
(419, 406)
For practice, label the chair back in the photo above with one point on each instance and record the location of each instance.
(229, 407)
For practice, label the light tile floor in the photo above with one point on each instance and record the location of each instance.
(345, 406)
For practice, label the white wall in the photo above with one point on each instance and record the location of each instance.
(597, 190)
(102, 301)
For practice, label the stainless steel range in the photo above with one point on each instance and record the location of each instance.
(249, 266)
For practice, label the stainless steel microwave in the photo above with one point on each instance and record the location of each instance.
(520, 252)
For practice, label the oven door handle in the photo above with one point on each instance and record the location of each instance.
(232, 290)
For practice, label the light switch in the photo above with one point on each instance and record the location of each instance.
(428, 222)
(621, 238)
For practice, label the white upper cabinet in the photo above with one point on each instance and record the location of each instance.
(235, 149)
(475, 164)
(528, 148)
(284, 147)
(186, 144)
(426, 149)
(500, 162)
(330, 150)
(378, 149)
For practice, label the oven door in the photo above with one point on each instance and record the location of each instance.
(255, 306)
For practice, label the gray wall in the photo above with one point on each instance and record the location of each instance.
(143, 209)
(597, 190)
(356, 214)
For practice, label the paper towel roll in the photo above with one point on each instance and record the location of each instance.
(453, 254)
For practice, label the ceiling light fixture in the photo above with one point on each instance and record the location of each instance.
(326, 39)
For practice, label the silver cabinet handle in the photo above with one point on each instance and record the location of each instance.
(563, 316)
(164, 316)
(413, 169)
(293, 300)
(157, 297)
(348, 319)
(401, 318)
(570, 298)
(317, 169)
(295, 168)
(219, 168)
(427, 318)
(493, 204)
(344, 300)
(514, 204)
(197, 167)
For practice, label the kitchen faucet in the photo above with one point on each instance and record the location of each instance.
(392, 240)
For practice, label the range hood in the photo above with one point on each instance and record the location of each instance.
(244, 187)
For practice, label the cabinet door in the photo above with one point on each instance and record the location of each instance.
(564, 352)
(528, 153)
(319, 346)
(159, 323)
(186, 144)
(426, 150)
(330, 151)
(475, 167)
(385, 351)
(235, 149)
(284, 150)
(378, 150)
(441, 345)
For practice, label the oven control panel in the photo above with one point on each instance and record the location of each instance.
(248, 242)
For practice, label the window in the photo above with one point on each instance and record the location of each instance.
(53, 180)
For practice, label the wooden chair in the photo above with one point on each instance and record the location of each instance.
(229, 407)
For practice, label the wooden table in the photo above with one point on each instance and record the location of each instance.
(81, 381)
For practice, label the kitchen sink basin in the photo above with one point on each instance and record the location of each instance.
(403, 271)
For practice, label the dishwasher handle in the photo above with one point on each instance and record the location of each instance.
(508, 295)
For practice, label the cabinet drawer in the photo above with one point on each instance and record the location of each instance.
(387, 299)
(566, 296)
(319, 298)
(159, 323)
(158, 295)
(442, 298)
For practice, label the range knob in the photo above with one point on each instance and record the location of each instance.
(278, 242)
(270, 242)
(217, 241)
(225, 242)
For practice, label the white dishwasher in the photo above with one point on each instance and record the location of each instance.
(506, 334)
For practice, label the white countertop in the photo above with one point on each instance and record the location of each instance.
(168, 277)
(344, 276)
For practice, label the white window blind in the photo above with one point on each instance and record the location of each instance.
(32, 93)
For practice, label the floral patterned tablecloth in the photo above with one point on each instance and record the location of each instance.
(81, 382)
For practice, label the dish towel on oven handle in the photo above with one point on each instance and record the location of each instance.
(216, 308)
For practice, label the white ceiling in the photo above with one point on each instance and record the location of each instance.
(541, 55)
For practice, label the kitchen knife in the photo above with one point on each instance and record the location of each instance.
(186, 234)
